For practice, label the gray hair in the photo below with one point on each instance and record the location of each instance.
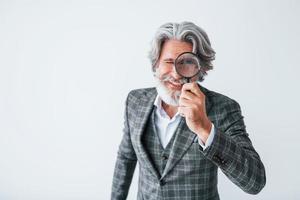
(187, 32)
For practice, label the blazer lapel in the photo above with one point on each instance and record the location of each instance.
(144, 108)
(183, 140)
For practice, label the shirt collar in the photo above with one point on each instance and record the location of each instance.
(157, 102)
(161, 111)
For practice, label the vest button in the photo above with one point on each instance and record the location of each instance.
(164, 157)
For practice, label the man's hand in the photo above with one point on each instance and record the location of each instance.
(192, 107)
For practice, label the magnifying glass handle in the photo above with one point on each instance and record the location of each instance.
(188, 80)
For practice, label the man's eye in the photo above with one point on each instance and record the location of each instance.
(169, 62)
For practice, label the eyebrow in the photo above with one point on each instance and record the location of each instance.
(168, 59)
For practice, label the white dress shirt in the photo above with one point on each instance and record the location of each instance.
(167, 126)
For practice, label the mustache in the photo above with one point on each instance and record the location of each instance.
(170, 78)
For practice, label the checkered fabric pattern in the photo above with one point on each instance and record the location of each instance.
(150, 140)
(190, 173)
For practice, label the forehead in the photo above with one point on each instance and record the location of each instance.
(173, 48)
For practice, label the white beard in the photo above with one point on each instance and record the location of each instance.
(167, 96)
(170, 97)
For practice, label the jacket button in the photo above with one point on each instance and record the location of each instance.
(223, 162)
(217, 159)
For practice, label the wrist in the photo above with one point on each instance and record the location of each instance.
(204, 131)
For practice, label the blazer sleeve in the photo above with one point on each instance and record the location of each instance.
(232, 150)
(125, 164)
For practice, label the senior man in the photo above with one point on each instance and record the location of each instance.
(179, 132)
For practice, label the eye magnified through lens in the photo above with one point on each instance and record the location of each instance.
(187, 65)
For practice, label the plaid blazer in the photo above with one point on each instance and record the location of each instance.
(190, 172)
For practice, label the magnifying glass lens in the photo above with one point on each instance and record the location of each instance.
(187, 65)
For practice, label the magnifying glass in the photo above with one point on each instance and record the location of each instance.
(187, 65)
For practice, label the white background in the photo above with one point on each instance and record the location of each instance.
(67, 66)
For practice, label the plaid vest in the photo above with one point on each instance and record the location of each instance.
(158, 155)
